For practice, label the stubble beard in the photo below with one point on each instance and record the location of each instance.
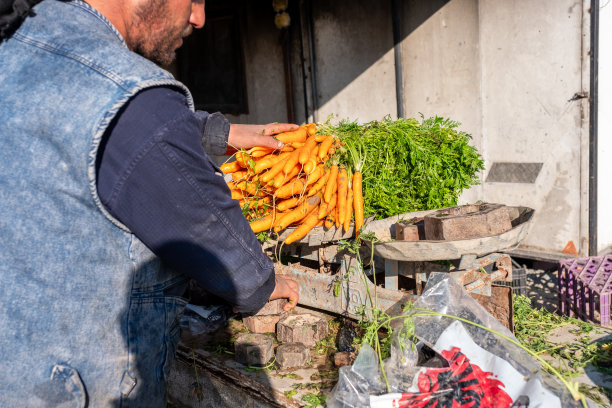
(153, 37)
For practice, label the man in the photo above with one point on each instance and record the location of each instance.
(110, 203)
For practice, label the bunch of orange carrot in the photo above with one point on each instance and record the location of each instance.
(300, 185)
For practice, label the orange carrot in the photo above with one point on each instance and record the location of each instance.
(324, 147)
(293, 136)
(293, 187)
(289, 203)
(329, 222)
(316, 174)
(298, 213)
(243, 159)
(358, 201)
(292, 160)
(248, 186)
(311, 162)
(319, 184)
(311, 128)
(281, 178)
(240, 175)
(269, 161)
(336, 217)
(342, 191)
(237, 194)
(349, 208)
(326, 208)
(304, 228)
(274, 170)
(262, 224)
(306, 150)
(230, 167)
(331, 183)
(260, 151)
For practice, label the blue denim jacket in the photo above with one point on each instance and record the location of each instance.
(85, 318)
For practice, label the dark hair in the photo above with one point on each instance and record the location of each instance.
(12, 14)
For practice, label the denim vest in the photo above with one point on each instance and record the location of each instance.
(86, 312)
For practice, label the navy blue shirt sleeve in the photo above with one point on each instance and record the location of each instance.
(156, 178)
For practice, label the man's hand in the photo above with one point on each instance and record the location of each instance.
(286, 288)
(247, 136)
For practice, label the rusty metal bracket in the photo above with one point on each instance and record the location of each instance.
(477, 274)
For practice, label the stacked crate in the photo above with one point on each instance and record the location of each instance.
(585, 287)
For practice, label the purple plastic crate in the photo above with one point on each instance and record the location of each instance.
(585, 287)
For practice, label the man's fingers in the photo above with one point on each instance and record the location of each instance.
(293, 300)
(276, 128)
(286, 288)
(269, 141)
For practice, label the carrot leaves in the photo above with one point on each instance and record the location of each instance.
(408, 165)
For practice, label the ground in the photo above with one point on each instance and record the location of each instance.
(582, 351)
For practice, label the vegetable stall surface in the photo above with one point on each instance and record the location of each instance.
(380, 169)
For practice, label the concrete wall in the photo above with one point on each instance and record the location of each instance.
(513, 72)
(604, 199)
(265, 78)
(354, 55)
(531, 61)
(442, 68)
(508, 70)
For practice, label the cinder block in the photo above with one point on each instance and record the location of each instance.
(467, 221)
(292, 355)
(262, 323)
(253, 349)
(301, 328)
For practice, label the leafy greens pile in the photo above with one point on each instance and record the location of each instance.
(408, 165)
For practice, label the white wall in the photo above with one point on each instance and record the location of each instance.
(604, 169)
(508, 70)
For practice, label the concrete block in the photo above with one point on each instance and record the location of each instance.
(292, 355)
(301, 328)
(467, 221)
(272, 307)
(262, 323)
(253, 349)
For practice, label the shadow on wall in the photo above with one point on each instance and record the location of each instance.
(366, 30)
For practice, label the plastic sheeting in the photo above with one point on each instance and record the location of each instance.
(453, 363)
